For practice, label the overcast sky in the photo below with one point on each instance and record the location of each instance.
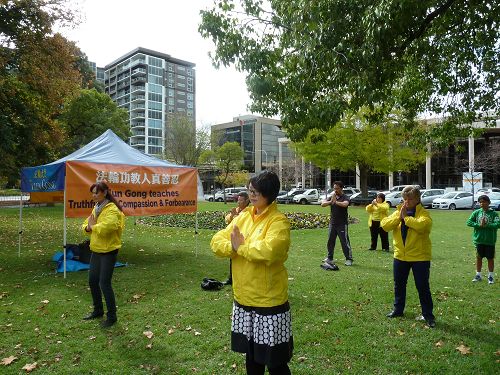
(111, 28)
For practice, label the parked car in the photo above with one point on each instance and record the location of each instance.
(211, 196)
(394, 198)
(428, 195)
(397, 188)
(230, 193)
(287, 198)
(485, 191)
(308, 196)
(349, 191)
(358, 199)
(495, 201)
(453, 200)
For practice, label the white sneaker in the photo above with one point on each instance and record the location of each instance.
(490, 280)
(348, 262)
(477, 278)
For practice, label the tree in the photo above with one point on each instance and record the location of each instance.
(184, 143)
(225, 159)
(90, 114)
(356, 141)
(37, 75)
(312, 62)
(238, 178)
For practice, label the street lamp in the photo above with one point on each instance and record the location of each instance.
(265, 152)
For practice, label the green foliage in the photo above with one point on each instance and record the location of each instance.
(227, 158)
(159, 291)
(38, 73)
(88, 115)
(215, 220)
(313, 62)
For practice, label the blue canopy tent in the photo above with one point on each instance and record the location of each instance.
(49, 183)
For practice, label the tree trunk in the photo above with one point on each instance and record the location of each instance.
(363, 179)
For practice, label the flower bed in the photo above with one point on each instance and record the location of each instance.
(215, 220)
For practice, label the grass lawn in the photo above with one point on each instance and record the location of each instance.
(338, 317)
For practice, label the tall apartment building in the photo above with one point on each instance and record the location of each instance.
(153, 87)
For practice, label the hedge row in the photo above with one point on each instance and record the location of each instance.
(215, 220)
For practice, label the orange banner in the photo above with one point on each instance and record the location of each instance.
(141, 191)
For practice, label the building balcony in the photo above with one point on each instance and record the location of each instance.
(139, 71)
(138, 116)
(137, 124)
(137, 98)
(138, 80)
(137, 62)
(137, 141)
(138, 88)
(138, 107)
(138, 133)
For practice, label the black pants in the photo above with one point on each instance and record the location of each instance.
(340, 231)
(375, 231)
(100, 274)
(254, 368)
(421, 274)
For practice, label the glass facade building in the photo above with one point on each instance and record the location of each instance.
(152, 87)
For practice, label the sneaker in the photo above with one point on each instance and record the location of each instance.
(328, 260)
(348, 262)
(490, 280)
(477, 278)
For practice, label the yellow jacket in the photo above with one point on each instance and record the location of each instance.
(418, 244)
(381, 210)
(260, 278)
(106, 234)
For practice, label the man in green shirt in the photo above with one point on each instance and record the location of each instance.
(485, 222)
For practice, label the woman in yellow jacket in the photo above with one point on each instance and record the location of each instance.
(411, 226)
(378, 210)
(257, 241)
(104, 226)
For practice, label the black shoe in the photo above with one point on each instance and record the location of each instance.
(431, 323)
(371, 249)
(386, 250)
(228, 282)
(93, 315)
(108, 323)
(394, 314)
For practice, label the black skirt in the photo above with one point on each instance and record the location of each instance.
(264, 333)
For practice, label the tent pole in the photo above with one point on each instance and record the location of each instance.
(196, 233)
(20, 224)
(64, 231)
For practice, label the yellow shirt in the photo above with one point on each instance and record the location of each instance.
(417, 246)
(377, 212)
(106, 234)
(260, 278)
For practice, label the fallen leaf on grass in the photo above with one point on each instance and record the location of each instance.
(491, 321)
(7, 361)
(148, 334)
(439, 344)
(45, 301)
(302, 359)
(497, 352)
(196, 333)
(325, 321)
(463, 349)
(92, 338)
(188, 328)
(233, 366)
(30, 366)
(149, 346)
(400, 333)
(170, 331)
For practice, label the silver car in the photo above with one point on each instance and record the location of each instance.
(428, 195)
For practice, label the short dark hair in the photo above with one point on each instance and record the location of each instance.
(243, 194)
(339, 183)
(484, 198)
(381, 195)
(267, 184)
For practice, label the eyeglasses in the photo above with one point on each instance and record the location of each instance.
(253, 192)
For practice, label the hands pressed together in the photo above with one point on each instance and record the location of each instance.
(91, 221)
(237, 239)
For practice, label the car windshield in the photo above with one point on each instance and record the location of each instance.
(495, 196)
(449, 195)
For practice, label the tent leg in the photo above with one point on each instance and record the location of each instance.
(64, 231)
(20, 224)
(196, 234)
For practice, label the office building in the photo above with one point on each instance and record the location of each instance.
(153, 87)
